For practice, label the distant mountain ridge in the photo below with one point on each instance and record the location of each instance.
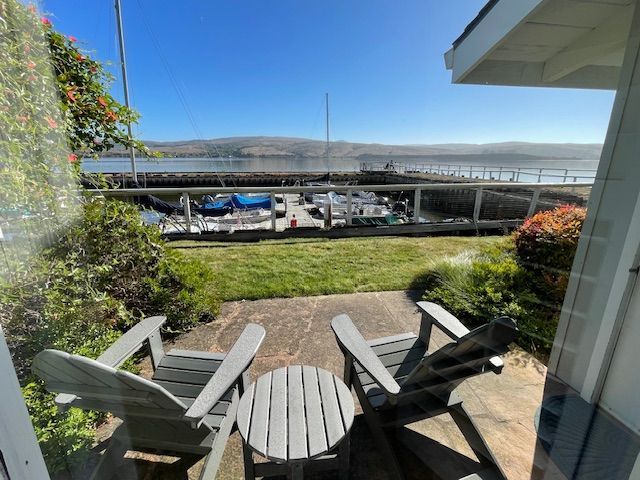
(261, 146)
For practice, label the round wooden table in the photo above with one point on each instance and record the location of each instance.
(299, 418)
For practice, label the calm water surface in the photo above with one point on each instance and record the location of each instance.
(306, 164)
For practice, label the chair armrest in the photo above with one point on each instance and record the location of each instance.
(120, 351)
(353, 343)
(230, 370)
(130, 342)
(450, 325)
(442, 319)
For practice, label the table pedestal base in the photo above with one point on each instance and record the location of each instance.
(295, 471)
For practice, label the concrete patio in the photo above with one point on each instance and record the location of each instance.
(503, 406)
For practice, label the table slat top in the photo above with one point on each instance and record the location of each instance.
(295, 413)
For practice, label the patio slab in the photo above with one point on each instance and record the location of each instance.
(298, 332)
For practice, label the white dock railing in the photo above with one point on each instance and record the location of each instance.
(533, 189)
(484, 172)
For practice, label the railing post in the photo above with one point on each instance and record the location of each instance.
(500, 174)
(186, 204)
(459, 170)
(566, 174)
(477, 204)
(470, 171)
(273, 210)
(539, 175)
(349, 207)
(484, 172)
(518, 175)
(416, 205)
(534, 202)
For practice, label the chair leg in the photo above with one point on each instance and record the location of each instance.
(380, 436)
(112, 457)
(210, 467)
(475, 440)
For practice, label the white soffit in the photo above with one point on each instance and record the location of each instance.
(554, 43)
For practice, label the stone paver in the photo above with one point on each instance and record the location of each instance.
(298, 332)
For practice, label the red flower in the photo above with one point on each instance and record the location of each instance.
(111, 116)
(31, 64)
(52, 123)
(71, 96)
(45, 21)
(80, 57)
(72, 38)
(93, 69)
(26, 49)
(102, 101)
(72, 158)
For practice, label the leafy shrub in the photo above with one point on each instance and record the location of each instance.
(103, 275)
(64, 439)
(546, 245)
(480, 286)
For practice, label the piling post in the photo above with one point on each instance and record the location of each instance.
(500, 174)
(186, 203)
(534, 202)
(417, 198)
(566, 175)
(539, 175)
(477, 204)
(273, 210)
(349, 207)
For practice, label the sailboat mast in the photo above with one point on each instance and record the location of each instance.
(125, 86)
(326, 97)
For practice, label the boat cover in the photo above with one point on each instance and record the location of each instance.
(242, 203)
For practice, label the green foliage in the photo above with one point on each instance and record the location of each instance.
(64, 439)
(480, 286)
(102, 276)
(524, 277)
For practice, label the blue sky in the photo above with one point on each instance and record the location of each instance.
(261, 67)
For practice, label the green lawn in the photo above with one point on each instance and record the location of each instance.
(318, 267)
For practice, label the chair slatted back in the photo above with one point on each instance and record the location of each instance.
(470, 355)
(104, 388)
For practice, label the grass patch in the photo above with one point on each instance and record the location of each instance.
(320, 266)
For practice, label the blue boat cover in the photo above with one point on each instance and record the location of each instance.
(241, 202)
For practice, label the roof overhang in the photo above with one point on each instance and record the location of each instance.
(544, 43)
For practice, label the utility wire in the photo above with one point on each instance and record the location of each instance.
(181, 96)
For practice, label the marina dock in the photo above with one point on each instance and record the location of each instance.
(435, 204)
